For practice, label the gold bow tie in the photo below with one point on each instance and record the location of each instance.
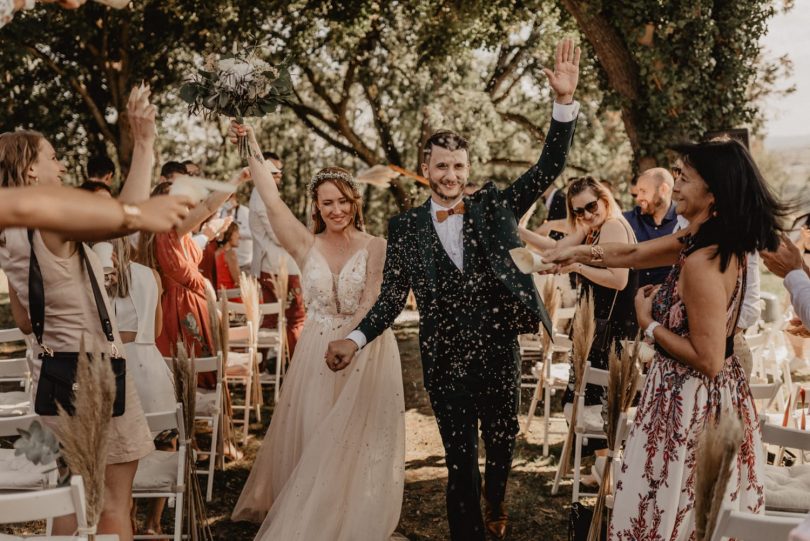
(442, 215)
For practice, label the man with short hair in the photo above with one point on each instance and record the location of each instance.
(100, 169)
(267, 255)
(653, 217)
(192, 169)
(171, 169)
(453, 251)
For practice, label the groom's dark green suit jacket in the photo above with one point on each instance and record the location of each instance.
(411, 254)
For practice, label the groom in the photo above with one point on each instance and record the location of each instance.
(453, 251)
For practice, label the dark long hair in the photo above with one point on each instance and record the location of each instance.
(746, 217)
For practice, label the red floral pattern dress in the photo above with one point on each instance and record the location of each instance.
(655, 491)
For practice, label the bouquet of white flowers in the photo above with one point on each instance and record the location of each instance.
(237, 85)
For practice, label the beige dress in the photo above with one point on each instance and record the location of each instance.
(70, 314)
(331, 467)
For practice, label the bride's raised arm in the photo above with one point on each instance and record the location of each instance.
(291, 233)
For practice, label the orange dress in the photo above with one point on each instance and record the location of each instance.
(185, 311)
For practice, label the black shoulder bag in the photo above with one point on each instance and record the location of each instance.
(57, 378)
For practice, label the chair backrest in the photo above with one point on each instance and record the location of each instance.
(13, 369)
(595, 376)
(765, 391)
(782, 436)
(237, 307)
(752, 527)
(9, 425)
(208, 364)
(242, 333)
(269, 308)
(40, 504)
(11, 335)
(167, 420)
(234, 293)
(564, 314)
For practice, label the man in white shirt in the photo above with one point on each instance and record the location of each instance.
(241, 216)
(267, 255)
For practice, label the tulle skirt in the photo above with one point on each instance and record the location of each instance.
(331, 466)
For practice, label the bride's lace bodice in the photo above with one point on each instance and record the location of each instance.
(328, 296)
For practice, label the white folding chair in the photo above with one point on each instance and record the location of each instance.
(751, 527)
(275, 341)
(765, 394)
(787, 489)
(233, 293)
(17, 474)
(48, 504)
(582, 430)
(551, 377)
(241, 368)
(14, 370)
(162, 474)
(209, 411)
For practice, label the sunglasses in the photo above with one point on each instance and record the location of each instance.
(591, 207)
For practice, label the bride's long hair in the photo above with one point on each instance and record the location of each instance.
(345, 183)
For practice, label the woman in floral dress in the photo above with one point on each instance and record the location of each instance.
(691, 318)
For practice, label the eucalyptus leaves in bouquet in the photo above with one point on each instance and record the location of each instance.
(238, 84)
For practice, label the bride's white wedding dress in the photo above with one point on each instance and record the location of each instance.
(331, 465)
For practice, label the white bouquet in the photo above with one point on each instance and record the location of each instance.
(237, 85)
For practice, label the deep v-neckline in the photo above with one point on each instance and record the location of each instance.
(345, 265)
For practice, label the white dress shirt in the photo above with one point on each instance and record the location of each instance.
(241, 215)
(451, 231)
(798, 285)
(267, 252)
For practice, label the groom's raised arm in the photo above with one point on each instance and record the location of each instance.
(522, 194)
(563, 81)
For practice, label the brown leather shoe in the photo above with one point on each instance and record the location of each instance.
(496, 520)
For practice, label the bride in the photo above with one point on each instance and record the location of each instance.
(331, 466)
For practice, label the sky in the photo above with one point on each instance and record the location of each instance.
(788, 33)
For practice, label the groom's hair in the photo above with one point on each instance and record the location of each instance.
(445, 139)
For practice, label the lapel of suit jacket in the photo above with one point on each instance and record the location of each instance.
(424, 235)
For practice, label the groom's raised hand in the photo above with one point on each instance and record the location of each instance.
(339, 354)
(566, 71)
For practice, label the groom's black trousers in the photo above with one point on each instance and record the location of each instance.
(477, 381)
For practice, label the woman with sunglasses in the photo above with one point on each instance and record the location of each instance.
(594, 217)
(694, 378)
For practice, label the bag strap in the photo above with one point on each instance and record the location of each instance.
(36, 296)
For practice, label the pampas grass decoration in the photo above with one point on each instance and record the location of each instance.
(622, 386)
(583, 333)
(226, 423)
(213, 316)
(249, 290)
(185, 384)
(551, 300)
(85, 434)
(716, 452)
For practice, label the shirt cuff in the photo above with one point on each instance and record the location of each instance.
(565, 113)
(358, 338)
(200, 240)
(794, 278)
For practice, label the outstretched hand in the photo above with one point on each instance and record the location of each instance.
(565, 76)
(237, 130)
(141, 115)
(339, 354)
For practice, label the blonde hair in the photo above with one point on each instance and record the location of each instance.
(18, 151)
(123, 256)
(146, 241)
(579, 185)
(337, 176)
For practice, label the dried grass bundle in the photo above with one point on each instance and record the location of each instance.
(622, 386)
(715, 457)
(281, 284)
(551, 300)
(85, 434)
(213, 316)
(185, 386)
(249, 290)
(226, 424)
(584, 327)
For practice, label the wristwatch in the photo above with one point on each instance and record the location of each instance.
(648, 332)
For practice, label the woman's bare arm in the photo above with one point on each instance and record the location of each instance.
(159, 307)
(19, 313)
(658, 252)
(706, 298)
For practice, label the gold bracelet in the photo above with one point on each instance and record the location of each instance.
(132, 216)
(597, 253)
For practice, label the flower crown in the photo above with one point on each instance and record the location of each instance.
(323, 176)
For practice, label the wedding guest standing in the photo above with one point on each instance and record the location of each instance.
(695, 378)
(68, 270)
(267, 255)
(595, 218)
